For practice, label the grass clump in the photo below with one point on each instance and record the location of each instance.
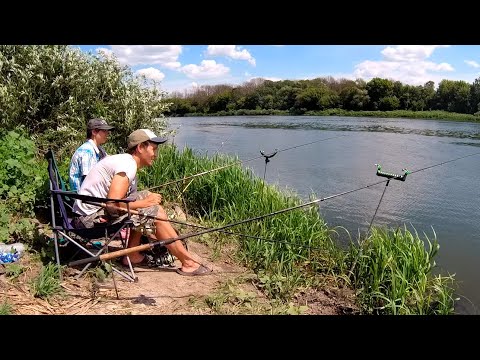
(47, 283)
(394, 275)
(6, 308)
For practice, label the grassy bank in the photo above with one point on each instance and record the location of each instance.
(391, 271)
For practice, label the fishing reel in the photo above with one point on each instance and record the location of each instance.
(391, 175)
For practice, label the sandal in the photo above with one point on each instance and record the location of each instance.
(202, 270)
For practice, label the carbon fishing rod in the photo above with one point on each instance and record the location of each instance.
(149, 246)
(115, 254)
(235, 163)
(135, 212)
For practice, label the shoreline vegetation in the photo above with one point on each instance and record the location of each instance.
(48, 93)
(391, 271)
(408, 114)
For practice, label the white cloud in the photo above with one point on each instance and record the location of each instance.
(163, 55)
(409, 52)
(405, 63)
(230, 51)
(472, 63)
(151, 73)
(208, 69)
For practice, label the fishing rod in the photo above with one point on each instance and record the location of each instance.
(164, 242)
(235, 163)
(149, 246)
(135, 212)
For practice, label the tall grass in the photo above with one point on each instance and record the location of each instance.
(234, 194)
(391, 270)
(394, 274)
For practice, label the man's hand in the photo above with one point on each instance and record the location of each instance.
(153, 199)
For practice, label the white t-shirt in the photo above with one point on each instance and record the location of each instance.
(98, 181)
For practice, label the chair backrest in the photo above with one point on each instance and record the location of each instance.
(56, 183)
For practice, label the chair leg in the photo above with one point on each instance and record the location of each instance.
(57, 254)
(131, 278)
(126, 225)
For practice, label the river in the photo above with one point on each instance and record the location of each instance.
(323, 156)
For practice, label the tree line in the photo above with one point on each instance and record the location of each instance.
(298, 97)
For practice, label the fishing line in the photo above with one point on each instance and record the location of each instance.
(403, 177)
(321, 199)
(390, 176)
(429, 167)
(235, 163)
(379, 172)
(223, 143)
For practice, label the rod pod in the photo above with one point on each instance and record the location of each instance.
(267, 159)
(391, 175)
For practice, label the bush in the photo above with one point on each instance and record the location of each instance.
(23, 179)
(54, 90)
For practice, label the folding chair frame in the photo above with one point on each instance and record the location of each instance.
(59, 203)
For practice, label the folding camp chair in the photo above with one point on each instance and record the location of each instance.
(88, 242)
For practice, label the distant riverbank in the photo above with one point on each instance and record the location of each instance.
(436, 114)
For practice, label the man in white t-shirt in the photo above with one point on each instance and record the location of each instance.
(114, 177)
(89, 153)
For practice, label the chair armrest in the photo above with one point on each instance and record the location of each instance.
(88, 198)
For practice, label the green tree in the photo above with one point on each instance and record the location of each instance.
(377, 89)
(453, 96)
(475, 96)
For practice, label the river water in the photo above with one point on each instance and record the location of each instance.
(324, 156)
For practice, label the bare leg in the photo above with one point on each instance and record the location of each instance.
(163, 231)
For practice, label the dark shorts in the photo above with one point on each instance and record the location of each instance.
(143, 222)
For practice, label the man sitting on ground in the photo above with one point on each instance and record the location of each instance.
(114, 177)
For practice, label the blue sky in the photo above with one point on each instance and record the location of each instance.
(183, 67)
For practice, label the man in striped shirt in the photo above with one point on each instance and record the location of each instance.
(89, 153)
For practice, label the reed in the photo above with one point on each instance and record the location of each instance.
(394, 274)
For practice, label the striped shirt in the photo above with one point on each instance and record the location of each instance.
(83, 160)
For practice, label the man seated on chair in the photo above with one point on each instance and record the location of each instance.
(89, 153)
(114, 177)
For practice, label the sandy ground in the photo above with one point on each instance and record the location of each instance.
(156, 292)
(161, 291)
